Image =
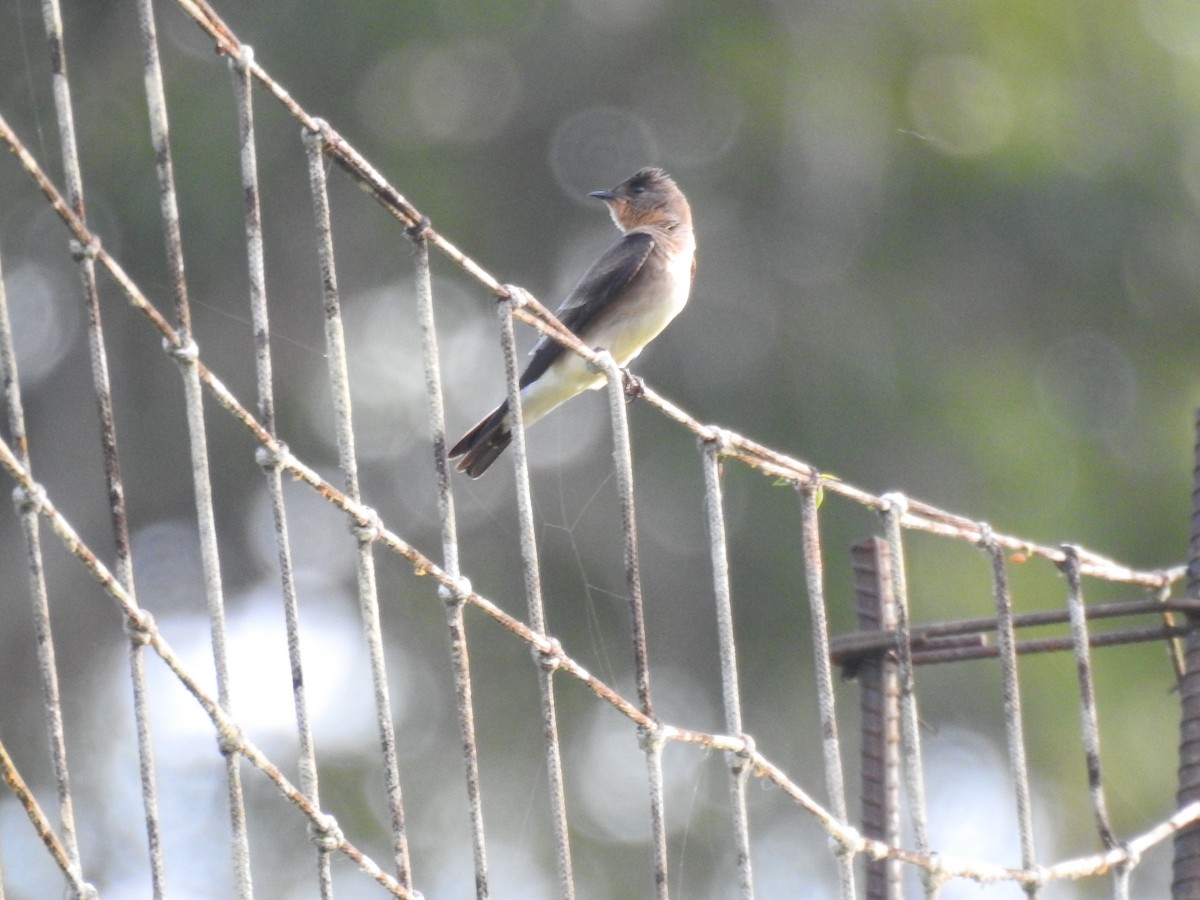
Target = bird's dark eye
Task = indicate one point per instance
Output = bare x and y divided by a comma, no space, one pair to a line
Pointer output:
639,189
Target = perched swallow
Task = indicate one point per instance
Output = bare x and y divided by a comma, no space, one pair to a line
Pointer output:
623,302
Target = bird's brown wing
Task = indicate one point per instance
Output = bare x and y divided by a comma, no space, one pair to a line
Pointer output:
592,297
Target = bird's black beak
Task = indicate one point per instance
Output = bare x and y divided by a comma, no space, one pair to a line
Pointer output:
603,195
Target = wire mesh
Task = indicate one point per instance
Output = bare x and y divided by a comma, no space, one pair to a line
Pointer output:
901,649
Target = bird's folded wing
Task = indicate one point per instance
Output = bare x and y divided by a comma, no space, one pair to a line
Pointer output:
603,283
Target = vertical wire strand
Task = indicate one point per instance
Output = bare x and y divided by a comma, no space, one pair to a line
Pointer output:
835,782
453,600
46,658
186,355
156,104
623,461
739,763
368,596
271,463
1087,694
1013,721
1121,877
910,726
533,595
85,259
39,599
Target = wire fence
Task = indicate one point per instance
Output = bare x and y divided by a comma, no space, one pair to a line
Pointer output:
870,857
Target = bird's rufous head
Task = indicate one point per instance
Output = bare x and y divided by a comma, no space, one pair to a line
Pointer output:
648,197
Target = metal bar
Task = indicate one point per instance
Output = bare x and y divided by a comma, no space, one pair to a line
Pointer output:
1185,883
1051,645
846,646
880,710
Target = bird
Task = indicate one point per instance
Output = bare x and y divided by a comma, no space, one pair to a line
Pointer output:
624,301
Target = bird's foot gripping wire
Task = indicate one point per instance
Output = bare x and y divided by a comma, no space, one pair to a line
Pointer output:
634,386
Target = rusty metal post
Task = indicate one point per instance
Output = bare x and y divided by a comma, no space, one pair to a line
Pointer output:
879,700
1186,883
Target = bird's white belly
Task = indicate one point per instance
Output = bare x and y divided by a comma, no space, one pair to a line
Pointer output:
646,311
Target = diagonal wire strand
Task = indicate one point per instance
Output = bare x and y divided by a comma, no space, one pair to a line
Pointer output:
53,843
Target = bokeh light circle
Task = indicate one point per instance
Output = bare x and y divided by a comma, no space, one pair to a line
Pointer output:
599,146
44,317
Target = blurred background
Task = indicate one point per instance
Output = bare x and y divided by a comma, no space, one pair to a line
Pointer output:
947,247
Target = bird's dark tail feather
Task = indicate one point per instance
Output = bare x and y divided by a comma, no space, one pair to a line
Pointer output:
480,446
